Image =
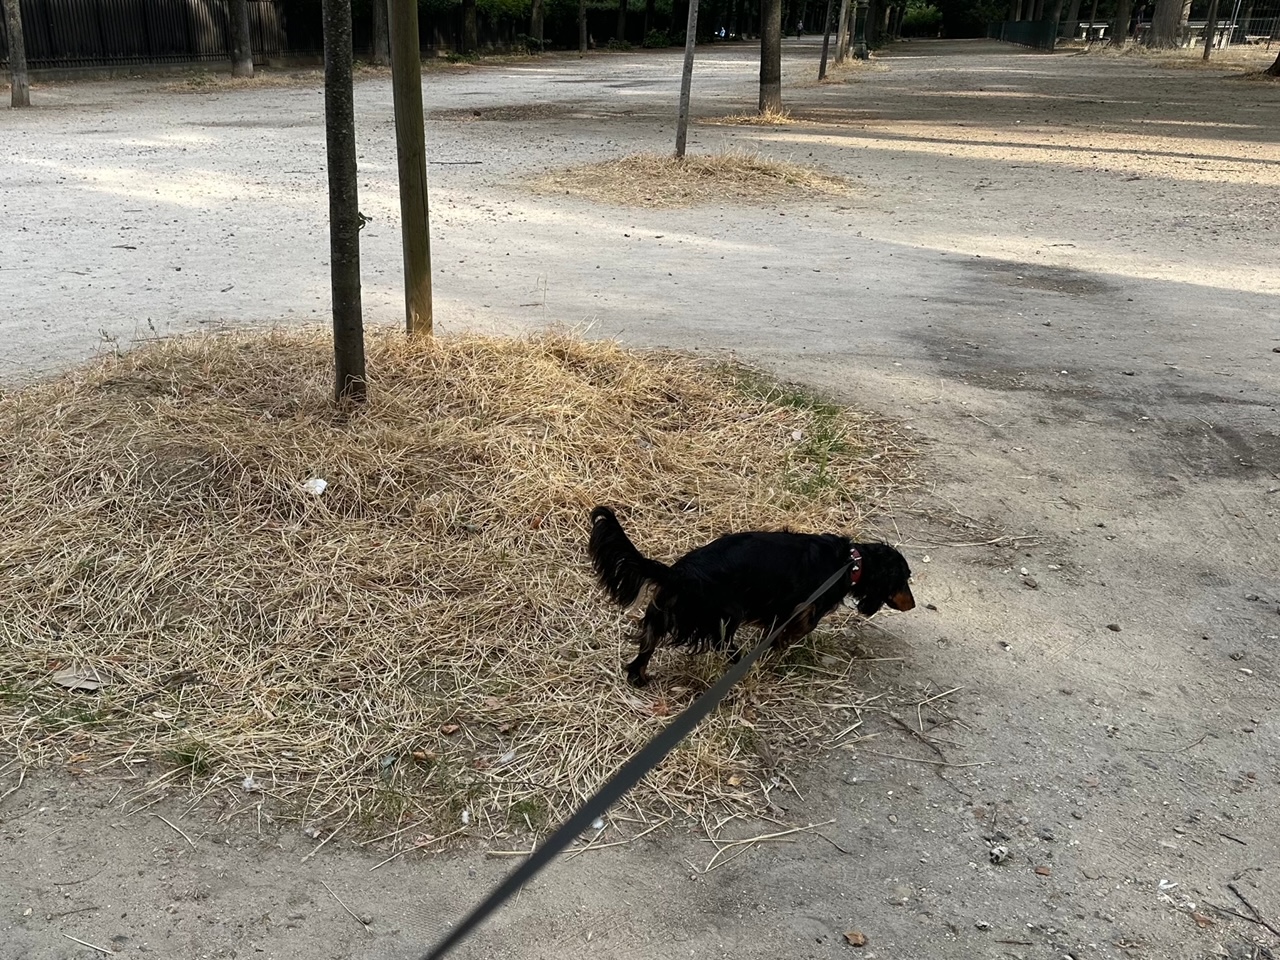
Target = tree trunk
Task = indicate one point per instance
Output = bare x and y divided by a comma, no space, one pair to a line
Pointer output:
1056,16
826,42
620,34
770,56
582,27
1120,25
1164,24
19,83
686,79
411,156
381,38
470,33
1274,69
1073,17
650,11
344,203
537,22
842,31
1210,28
241,45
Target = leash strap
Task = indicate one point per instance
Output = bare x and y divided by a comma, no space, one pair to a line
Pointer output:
628,775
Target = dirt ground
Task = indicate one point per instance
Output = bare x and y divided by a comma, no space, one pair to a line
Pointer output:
1058,273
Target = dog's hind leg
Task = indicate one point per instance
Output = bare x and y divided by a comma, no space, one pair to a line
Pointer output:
651,634
728,630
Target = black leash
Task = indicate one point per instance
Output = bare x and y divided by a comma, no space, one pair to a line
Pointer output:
627,777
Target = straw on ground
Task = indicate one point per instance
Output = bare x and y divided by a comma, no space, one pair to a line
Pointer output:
656,180
422,642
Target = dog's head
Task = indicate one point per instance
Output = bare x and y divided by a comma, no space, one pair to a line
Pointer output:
885,580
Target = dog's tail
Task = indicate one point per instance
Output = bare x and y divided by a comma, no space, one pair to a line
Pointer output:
622,570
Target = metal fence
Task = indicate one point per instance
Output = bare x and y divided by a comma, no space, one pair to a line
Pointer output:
1040,34
82,33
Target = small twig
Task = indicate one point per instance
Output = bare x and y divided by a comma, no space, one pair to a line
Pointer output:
174,827
833,843
91,946
69,913
326,839
1016,943
22,775
456,163
935,763
1257,915
918,735
1227,836
417,846
746,843
346,908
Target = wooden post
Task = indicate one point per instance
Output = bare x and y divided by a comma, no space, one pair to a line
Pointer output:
19,83
826,43
241,44
411,152
686,79
344,203
1210,28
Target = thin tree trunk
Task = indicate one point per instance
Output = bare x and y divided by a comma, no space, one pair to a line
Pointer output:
537,23
411,156
470,33
842,31
344,203
582,27
381,39
1073,16
826,42
1093,13
1057,18
1120,26
1274,69
770,56
650,11
241,45
620,34
686,79
19,83
1211,27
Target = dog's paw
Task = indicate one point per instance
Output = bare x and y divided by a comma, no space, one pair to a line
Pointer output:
637,678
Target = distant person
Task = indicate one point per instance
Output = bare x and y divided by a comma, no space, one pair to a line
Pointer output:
799,29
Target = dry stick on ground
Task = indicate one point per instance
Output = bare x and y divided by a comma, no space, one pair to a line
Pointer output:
742,846
176,830
1257,915
346,908
91,946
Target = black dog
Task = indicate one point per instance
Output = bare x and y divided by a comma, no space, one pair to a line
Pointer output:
742,578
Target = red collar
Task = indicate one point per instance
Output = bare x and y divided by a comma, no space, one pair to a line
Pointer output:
855,574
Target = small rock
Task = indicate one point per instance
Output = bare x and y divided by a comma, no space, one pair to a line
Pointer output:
1127,373
982,925
1030,583
1113,627
1044,872
1238,655
856,938
893,818
1023,571
930,606
998,855
1077,815
1252,597
366,918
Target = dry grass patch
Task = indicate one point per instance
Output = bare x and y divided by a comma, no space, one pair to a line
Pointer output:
421,643
657,180
762,118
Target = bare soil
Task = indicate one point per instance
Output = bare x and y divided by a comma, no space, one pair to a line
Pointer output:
1058,274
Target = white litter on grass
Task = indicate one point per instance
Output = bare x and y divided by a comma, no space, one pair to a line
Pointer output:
315,486
250,785
466,817
597,823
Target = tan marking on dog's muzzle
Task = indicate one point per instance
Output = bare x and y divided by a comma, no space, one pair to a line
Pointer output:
902,600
